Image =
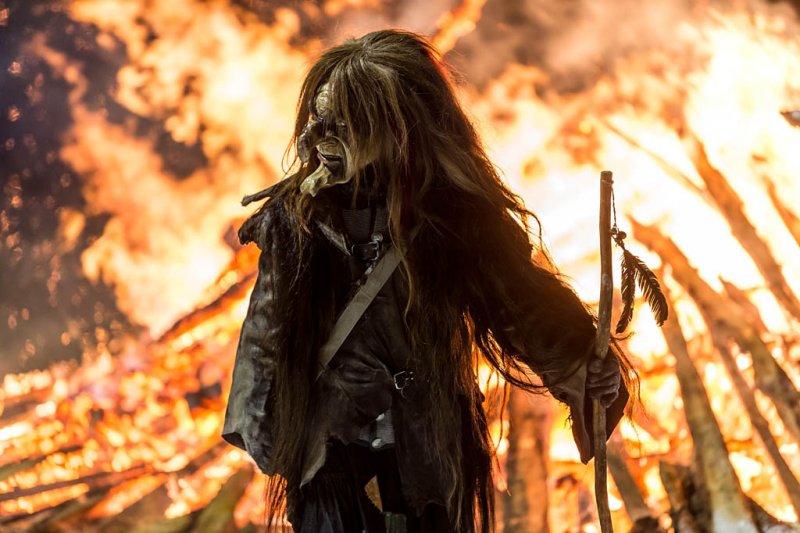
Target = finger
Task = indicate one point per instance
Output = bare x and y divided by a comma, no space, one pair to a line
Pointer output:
610,373
595,379
600,366
598,392
608,399
605,399
610,364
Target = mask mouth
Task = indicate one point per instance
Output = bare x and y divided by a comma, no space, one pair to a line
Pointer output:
330,160
332,169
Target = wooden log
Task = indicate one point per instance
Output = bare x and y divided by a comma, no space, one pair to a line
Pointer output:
723,313
54,518
97,480
791,220
150,509
688,500
525,502
69,516
233,294
642,517
178,524
760,423
768,523
729,508
23,521
731,207
665,165
20,450
217,516
7,471
10,469
748,307
13,407
676,481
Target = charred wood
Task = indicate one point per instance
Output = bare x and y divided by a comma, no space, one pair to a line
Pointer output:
178,524
57,518
677,484
17,406
768,523
7,471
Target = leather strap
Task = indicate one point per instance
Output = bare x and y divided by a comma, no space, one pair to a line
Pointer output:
376,279
335,238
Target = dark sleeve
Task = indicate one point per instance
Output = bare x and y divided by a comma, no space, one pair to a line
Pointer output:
542,323
248,415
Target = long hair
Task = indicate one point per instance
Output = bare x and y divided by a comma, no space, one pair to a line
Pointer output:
394,96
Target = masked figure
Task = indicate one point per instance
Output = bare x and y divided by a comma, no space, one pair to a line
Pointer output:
390,433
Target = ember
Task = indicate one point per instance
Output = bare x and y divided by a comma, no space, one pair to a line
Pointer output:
137,127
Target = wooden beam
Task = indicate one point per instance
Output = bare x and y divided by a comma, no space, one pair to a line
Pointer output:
732,208
641,515
790,219
217,516
728,317
525,502
729,509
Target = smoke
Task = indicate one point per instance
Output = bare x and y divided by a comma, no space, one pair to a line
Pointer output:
573,41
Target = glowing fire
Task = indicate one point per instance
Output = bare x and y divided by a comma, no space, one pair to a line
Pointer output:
218,76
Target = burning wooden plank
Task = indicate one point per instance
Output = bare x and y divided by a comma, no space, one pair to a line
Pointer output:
760,423
65,517
150,509
217,516
717,309
790,219
525,505
676,481
689,501
738,295
732,208
729,508
643,518
100,479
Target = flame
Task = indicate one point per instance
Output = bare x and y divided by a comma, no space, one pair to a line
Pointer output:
223,82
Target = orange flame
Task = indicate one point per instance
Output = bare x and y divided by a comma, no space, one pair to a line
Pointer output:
217,76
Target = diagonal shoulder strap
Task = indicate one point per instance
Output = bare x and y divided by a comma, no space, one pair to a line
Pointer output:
357,305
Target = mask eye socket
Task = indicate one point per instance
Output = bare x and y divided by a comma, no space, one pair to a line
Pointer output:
342,131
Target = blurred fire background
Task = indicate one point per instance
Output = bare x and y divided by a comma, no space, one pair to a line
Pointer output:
130,130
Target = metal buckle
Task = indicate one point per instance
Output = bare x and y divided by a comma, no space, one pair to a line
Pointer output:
368,251
401,381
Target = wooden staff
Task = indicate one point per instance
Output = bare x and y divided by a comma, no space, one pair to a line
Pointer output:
601,350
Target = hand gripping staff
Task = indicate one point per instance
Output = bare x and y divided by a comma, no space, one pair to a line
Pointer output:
634,272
